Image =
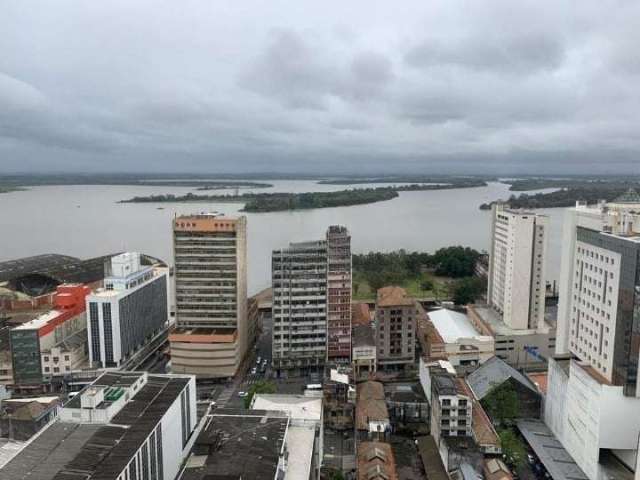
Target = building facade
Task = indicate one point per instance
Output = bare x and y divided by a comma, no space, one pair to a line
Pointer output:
395,328
364,351
41,348
130,310
211,334
299,281
451,407
338,294
516,279
593,399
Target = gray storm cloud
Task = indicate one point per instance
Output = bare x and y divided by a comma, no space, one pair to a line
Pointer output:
320,87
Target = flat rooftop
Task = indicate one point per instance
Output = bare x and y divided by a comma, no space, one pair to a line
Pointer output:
299,407
40,321
494,321
550,451
67,450
238,444
452,325
300,440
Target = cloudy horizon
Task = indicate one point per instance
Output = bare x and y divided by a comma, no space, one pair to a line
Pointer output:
320,87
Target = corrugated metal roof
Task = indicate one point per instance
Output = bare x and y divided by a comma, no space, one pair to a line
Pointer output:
492,373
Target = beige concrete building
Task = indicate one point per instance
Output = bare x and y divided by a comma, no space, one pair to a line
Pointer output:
211,334
395,328
516,279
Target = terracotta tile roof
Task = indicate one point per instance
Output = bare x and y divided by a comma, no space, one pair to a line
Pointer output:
483,430
376,461
540,380
431,460
370,404
394,297
360,314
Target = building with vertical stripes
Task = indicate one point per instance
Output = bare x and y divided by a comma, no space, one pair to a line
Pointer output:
129,311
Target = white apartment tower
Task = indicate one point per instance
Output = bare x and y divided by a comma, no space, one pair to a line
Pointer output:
516,280
210,339
128,312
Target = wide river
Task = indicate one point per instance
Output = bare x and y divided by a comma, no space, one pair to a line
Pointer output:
85,221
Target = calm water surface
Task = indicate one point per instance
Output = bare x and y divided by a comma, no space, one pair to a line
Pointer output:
85,221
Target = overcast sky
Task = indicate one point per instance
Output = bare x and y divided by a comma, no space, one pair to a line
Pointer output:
320,86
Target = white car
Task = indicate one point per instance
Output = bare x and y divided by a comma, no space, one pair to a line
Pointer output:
253,371
242,394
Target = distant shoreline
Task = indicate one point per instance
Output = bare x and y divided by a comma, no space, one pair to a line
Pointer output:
276,202
568,193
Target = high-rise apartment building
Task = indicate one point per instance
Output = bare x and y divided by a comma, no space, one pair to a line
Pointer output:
128,311
210,338
338,294
593,400
312,301
299,281
516,281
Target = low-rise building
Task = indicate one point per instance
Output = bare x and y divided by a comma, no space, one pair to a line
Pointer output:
450,335
339,400
305,434
240,444
52,344
406,403
451,407
123,426
128,312
495,469
396,314
364,350
376,461
496,374
427,369
21,418
372,416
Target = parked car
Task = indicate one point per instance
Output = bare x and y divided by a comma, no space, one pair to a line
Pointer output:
253,371
242,394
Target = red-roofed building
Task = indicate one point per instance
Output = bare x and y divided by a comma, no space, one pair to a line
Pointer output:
52,344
